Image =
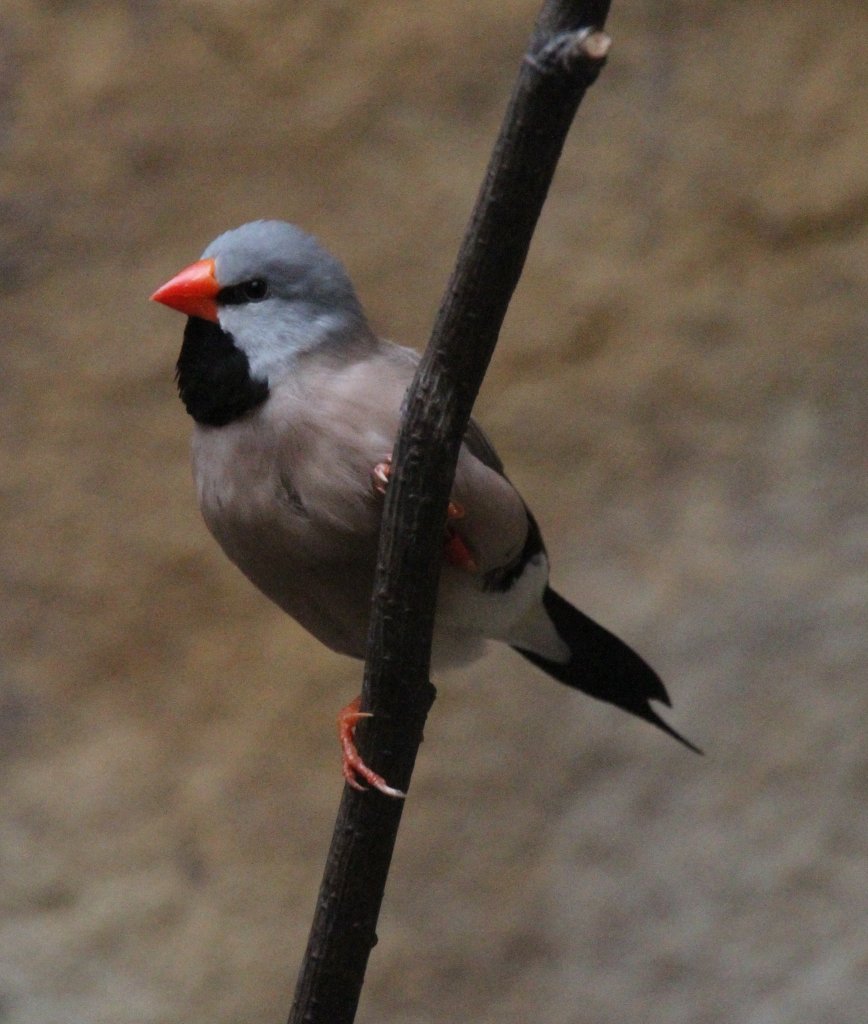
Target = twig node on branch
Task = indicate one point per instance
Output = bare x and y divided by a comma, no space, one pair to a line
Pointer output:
586,49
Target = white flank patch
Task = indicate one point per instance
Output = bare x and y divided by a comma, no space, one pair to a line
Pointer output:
515,616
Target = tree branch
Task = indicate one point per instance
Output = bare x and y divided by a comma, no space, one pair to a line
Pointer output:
565,55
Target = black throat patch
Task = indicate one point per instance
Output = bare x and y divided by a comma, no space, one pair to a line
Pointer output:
213,376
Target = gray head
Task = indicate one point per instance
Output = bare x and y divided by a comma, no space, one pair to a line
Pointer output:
259,297
280,294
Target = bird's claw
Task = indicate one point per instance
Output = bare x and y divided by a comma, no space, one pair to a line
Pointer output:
380,476
352,765
454,511
455,551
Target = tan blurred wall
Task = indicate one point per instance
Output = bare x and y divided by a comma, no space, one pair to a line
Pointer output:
680,390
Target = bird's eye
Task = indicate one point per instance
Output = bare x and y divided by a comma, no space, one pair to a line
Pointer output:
255,290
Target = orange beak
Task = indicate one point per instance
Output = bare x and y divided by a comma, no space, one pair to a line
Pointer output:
193,291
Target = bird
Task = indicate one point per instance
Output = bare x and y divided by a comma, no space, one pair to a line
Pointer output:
296,404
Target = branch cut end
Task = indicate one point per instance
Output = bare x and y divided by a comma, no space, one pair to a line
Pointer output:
594,44
569,52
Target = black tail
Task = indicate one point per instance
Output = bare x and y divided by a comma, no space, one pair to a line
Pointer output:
603,666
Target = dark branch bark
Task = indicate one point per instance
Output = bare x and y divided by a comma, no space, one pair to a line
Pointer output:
565,55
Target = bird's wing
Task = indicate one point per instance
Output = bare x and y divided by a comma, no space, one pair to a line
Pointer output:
479,444
496,524
357,411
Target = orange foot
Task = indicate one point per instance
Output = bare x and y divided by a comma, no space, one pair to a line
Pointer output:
352,765
455,551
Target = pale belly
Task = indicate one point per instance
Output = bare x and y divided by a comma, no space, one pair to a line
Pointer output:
313,551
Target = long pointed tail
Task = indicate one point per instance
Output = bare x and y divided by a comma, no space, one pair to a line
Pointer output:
603,666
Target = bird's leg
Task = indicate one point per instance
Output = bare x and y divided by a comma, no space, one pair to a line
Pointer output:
455,551
352,765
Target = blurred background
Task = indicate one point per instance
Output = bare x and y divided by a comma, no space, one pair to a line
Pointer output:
679,391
